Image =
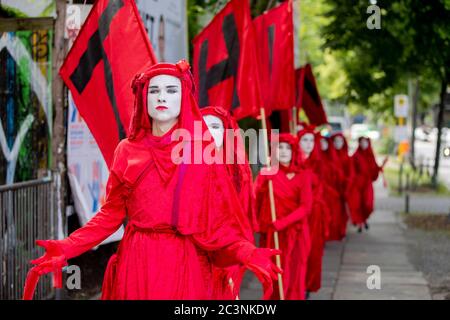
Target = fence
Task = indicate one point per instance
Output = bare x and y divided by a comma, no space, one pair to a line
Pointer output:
27,213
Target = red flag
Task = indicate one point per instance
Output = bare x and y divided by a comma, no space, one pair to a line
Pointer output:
308,97
111,48
275,38
225,67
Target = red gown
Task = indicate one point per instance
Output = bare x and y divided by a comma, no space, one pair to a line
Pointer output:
333,177
182,218
366,172
293,201
346,168
319,219
228,281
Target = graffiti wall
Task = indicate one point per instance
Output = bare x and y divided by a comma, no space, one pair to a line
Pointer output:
30,8
25,104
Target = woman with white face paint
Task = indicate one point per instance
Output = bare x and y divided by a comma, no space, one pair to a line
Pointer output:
228,145
346,168
319,219
333,179
366,172
183,218
293,201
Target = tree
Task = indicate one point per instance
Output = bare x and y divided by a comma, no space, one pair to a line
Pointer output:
414,40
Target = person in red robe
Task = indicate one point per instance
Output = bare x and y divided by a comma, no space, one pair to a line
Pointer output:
293,201
229,146
319,220
366,171
345,165
182,216
332,176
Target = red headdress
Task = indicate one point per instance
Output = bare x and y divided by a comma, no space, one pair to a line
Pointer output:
237,162
329,154
296,153
140,121
344,149
194,185
314,157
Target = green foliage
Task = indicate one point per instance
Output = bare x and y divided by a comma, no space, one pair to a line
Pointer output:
414,41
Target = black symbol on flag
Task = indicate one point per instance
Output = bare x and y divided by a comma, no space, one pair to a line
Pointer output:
224,69
271,35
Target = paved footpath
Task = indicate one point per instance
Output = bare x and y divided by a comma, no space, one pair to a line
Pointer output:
345,263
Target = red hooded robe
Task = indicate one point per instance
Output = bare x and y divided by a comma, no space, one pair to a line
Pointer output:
366,172
333,179
319,220
183,217
346,168
293,202
234,156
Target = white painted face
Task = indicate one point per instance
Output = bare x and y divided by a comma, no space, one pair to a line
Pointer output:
338,142
324,144
164,98
364,144
215,127
284,153
307,144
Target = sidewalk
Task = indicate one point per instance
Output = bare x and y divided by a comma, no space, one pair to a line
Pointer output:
345,264
384,245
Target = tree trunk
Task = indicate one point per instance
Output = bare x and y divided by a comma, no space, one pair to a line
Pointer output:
440,120
59,130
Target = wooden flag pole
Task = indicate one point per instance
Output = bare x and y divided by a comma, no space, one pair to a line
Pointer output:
272,202
294,120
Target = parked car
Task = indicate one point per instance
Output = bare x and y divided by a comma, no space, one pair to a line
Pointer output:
364,130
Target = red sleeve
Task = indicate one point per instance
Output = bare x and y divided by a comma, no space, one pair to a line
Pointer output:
107,221
305,205
226,237
101,226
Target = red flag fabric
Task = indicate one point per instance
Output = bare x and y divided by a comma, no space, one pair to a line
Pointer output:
111,48
308,97
225,62
275,38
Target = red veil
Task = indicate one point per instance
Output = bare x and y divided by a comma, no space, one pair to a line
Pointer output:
236,162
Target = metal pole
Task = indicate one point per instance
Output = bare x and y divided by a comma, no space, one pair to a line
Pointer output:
400,176
407,193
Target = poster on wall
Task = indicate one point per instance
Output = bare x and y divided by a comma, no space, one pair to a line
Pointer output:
87,170
166,25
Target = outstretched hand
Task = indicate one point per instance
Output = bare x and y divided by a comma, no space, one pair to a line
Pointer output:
261,264
52,261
